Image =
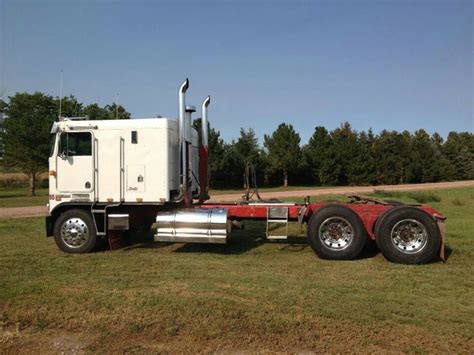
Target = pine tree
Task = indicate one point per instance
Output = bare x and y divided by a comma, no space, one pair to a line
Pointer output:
283,150
316,155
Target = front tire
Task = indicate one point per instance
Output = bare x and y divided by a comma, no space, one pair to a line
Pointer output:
336,232
408,235
74,232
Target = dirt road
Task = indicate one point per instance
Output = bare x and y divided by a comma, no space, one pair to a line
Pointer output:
37,211
343,190
20,212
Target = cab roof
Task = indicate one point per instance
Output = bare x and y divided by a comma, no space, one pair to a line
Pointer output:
134,123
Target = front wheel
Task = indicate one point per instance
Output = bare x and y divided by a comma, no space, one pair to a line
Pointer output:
336,232
408,235
74,232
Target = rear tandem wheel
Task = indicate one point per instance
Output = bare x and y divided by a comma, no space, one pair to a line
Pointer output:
407,235
336,232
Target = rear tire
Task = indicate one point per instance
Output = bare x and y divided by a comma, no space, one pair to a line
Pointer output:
74,232
407,235
336,232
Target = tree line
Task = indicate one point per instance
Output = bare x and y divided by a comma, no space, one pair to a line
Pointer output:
342,156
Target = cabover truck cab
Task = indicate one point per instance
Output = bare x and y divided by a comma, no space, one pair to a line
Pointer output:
108,177
115,161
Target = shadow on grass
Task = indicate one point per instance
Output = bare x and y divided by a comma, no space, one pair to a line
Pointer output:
447,252
242,241
239,242
234,246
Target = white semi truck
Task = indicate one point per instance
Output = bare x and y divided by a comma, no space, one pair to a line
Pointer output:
110,176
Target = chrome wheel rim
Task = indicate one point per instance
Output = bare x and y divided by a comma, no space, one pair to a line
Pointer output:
409,236
74,232
336,233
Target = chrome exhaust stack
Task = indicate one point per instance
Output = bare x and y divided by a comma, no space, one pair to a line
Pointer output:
204,154
205,133
181,140
182,107
193,225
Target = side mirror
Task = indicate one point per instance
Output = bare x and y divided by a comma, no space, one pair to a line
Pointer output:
63,155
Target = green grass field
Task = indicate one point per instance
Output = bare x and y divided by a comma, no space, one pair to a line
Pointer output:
244,296
19,197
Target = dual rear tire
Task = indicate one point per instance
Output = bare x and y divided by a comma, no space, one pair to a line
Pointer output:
407,235
336,232
404,234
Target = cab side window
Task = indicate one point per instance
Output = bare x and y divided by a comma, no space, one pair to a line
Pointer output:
74,144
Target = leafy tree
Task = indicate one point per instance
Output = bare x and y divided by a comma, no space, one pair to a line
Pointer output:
70,107
422,162
459,151
316,156
95,112
361,165
218,159
26,133
227,161
116,112
283,150
441,168
390,151
3,106
246,150
341,154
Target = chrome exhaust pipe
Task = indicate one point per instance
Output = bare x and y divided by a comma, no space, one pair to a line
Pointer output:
187,169
182,108
181,141
204,154
205,133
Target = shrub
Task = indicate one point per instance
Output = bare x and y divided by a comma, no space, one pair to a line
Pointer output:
388,193
423,197
457,202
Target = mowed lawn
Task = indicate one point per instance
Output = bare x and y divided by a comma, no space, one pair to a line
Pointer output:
247,295
20,197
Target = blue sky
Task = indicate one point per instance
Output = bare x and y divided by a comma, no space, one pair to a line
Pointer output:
377,64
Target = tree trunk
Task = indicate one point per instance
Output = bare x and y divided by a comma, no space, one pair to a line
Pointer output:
32,184
285,178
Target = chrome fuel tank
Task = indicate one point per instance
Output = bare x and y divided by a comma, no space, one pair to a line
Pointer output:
193,225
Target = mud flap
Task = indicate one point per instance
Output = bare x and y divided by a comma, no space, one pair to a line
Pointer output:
442,231
49,223
116,239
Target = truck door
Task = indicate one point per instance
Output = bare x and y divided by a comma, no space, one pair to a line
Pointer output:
75,163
